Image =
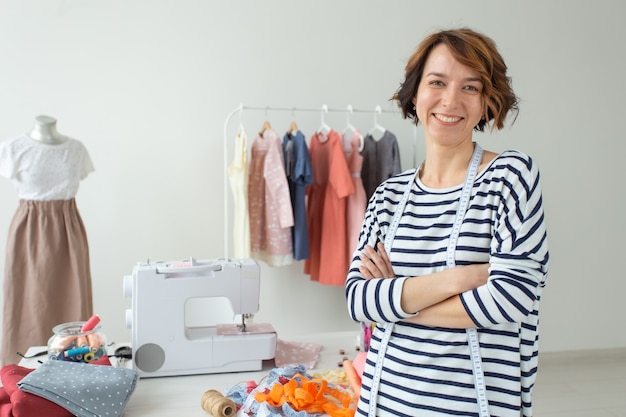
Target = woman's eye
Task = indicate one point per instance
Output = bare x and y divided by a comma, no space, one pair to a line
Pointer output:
436,82
472,88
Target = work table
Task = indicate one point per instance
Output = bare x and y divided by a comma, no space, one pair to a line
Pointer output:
175,396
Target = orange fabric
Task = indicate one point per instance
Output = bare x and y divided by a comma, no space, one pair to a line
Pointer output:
327,197
312,396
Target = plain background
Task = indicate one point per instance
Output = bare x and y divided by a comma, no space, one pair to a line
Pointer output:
147,86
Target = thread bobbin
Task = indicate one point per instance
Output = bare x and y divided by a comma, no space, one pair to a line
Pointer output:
213,402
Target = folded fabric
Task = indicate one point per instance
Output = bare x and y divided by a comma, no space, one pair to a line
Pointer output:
5,403
295,353
23,404
83,389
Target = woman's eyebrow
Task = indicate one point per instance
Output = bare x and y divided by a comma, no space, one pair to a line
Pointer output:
436,74
442,75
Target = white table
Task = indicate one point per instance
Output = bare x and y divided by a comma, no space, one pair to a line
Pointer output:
177,396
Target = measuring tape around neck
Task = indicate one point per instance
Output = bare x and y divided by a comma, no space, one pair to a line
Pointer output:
472,334
474,346
378,368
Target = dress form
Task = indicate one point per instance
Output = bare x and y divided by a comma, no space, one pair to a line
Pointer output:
45,130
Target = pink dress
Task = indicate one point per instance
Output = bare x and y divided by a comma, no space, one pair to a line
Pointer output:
269,202
357,202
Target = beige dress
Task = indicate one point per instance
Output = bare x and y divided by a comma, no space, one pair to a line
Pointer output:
47,278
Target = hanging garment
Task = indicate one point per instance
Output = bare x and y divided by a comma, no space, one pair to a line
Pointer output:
238,176
357,201
381,160
299,175
269,202
47,276
326,210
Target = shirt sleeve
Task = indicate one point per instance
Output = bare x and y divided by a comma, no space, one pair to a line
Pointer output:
86,166
518,253
303,174
379,299
7,164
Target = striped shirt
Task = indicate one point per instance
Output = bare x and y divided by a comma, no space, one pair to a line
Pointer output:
427,370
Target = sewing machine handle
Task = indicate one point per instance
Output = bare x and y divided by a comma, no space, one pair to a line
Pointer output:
186,269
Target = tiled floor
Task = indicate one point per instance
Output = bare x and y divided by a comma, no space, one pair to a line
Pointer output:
581,384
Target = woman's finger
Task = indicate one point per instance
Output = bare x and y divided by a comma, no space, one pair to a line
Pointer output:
387,269
370,266
365,272
380,259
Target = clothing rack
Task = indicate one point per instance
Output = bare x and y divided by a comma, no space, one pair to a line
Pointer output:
240,109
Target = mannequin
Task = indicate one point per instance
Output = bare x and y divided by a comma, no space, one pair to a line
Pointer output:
47,276
45,130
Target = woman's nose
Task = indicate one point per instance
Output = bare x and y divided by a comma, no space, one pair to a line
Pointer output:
450,97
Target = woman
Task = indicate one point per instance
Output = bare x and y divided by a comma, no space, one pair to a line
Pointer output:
438,276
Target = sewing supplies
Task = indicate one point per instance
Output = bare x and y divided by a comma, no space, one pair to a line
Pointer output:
310,395
164,343
71,342
91,323
218,405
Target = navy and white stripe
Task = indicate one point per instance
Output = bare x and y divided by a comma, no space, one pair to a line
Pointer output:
427,371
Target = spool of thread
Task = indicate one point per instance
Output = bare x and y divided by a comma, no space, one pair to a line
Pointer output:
95,341
90,324
81,341
62,343
77,351
218,405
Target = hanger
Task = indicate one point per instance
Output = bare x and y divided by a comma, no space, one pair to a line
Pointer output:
351,129
266,126
377,127
324,129
293,126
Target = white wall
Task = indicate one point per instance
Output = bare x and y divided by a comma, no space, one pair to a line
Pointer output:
146,85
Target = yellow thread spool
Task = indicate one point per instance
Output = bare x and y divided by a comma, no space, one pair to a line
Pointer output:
215,403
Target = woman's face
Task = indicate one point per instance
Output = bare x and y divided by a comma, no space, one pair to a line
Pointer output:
449,100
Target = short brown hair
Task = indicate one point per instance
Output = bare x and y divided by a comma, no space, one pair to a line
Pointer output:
476,51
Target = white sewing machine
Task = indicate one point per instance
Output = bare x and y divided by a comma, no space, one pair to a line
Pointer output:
165,342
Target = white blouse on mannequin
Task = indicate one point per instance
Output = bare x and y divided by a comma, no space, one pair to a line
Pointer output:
43,164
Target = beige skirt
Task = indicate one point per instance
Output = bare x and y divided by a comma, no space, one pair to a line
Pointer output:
47,278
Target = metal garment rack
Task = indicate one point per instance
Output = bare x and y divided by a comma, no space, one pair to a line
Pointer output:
240,109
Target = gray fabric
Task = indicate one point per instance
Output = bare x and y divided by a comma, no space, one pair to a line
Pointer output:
381,160
83,389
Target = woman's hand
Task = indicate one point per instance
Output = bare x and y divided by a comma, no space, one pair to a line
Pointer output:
375,263
471,276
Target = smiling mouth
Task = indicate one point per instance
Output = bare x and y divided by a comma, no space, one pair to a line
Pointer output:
447,119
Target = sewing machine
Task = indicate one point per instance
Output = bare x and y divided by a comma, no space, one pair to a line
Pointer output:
165,342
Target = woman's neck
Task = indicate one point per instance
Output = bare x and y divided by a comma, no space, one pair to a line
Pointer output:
446,167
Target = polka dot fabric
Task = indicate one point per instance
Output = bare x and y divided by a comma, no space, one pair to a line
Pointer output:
83,389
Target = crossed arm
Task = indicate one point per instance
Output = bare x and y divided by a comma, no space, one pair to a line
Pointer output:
434,296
